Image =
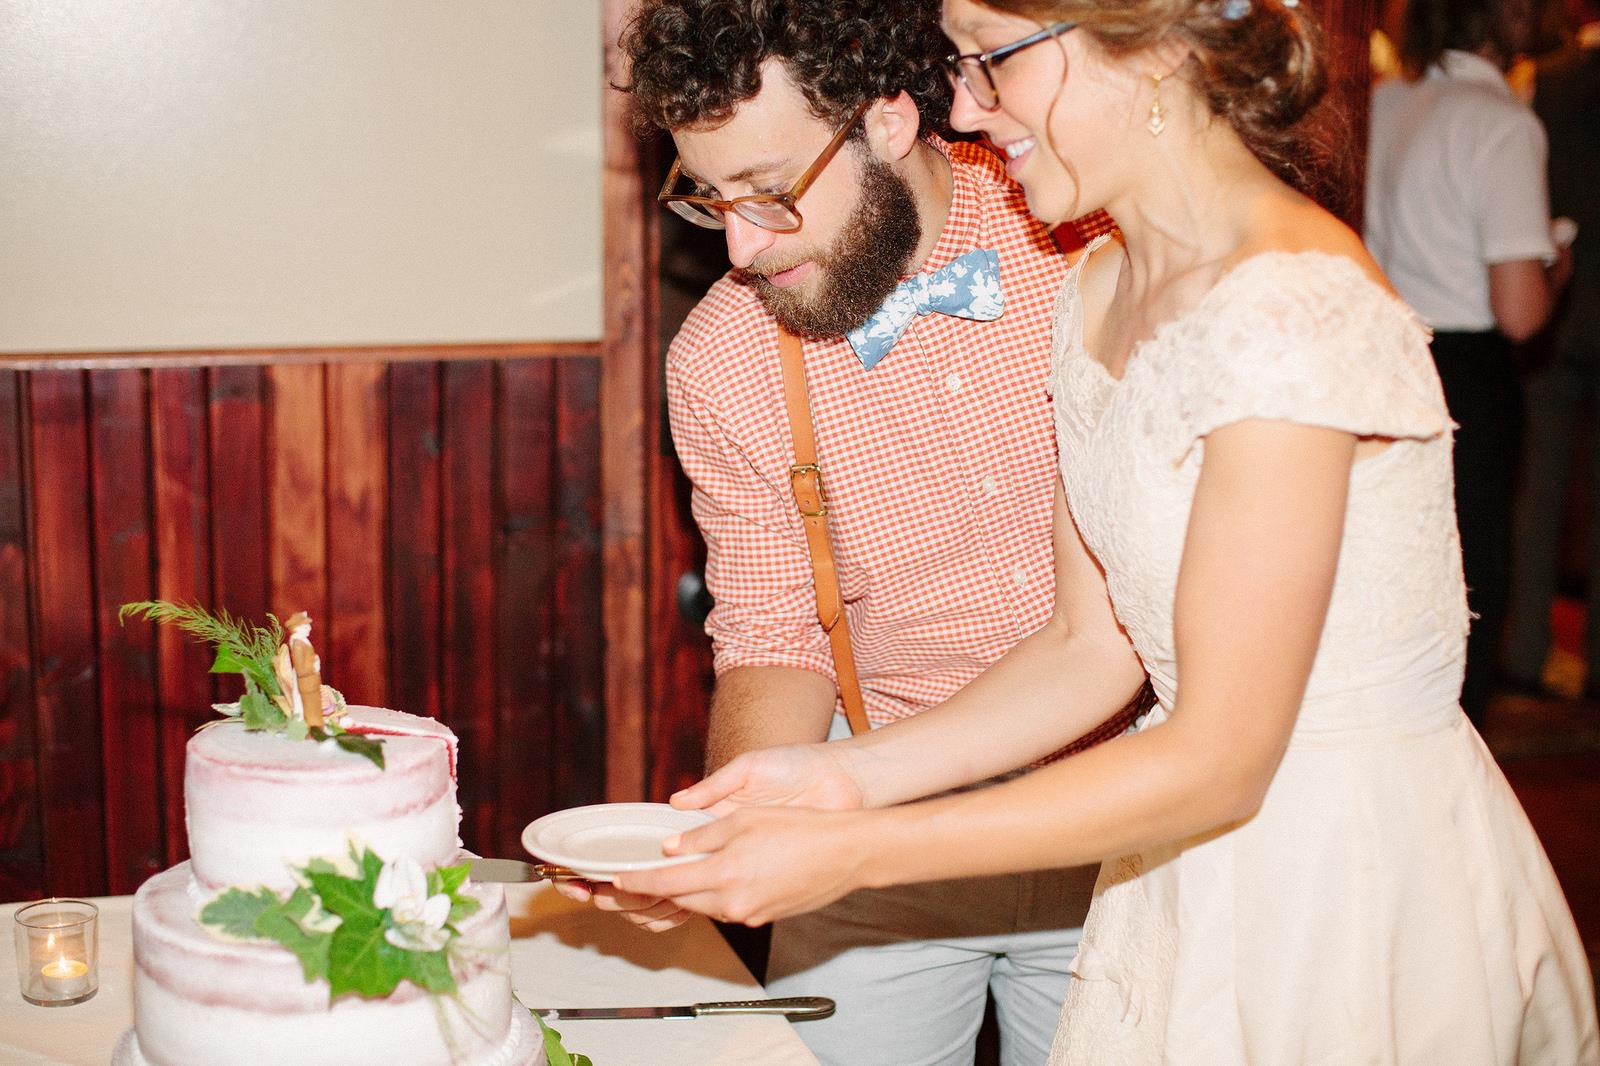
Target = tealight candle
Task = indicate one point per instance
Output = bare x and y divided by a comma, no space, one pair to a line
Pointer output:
56,951
65,978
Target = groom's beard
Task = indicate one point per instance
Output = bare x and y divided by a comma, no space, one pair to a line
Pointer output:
858,271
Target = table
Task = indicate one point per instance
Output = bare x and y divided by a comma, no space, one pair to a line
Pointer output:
563,954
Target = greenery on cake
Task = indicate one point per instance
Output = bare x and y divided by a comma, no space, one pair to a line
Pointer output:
362,929
272,700
554,1053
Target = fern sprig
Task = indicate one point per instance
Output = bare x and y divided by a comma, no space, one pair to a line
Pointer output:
241,647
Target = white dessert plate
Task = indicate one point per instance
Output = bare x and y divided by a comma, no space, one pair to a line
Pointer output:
607,838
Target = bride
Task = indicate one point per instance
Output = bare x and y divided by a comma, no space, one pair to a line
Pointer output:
1309,853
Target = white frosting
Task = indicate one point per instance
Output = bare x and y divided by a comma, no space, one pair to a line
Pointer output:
258,803
523,1046
201,1000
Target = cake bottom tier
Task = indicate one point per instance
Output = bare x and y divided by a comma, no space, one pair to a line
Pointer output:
200,1000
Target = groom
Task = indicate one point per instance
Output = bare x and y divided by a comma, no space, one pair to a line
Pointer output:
933,430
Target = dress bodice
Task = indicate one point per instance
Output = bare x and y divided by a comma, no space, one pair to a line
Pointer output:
1305,337
1387,901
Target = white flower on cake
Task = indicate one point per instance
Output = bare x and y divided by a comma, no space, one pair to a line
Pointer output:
418,918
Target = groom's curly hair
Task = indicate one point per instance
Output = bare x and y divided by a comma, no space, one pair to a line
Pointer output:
694,61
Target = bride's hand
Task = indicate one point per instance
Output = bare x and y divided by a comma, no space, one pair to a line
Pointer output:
798,775
803,775
761,864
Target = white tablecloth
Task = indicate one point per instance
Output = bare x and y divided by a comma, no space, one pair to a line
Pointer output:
562,955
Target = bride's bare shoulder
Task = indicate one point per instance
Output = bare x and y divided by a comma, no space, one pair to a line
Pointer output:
1303,226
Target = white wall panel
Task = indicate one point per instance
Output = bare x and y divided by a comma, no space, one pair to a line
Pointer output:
262,173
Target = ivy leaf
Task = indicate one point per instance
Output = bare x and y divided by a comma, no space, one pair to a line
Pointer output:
355,956
347,897
236,911
371,867
357,962
261,915
282,923
261,713
296,729
368,747
429,970
554,1052
299,903
448,879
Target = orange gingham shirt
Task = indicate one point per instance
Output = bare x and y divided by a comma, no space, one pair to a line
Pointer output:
938,464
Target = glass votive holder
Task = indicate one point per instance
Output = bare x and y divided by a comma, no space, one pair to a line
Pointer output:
57,951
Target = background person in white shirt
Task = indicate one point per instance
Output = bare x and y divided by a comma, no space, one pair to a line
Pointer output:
1457,214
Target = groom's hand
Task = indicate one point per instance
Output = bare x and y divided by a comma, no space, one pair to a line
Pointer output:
650,912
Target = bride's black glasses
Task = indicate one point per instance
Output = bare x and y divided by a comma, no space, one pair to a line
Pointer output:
975,70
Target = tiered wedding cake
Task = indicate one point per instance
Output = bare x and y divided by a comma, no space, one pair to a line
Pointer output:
324,915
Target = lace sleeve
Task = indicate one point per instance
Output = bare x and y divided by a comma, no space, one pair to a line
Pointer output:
1306,338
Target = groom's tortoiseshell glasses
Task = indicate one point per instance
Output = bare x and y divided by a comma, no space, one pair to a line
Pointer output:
771,211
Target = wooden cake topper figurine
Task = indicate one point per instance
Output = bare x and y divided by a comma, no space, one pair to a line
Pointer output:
307,669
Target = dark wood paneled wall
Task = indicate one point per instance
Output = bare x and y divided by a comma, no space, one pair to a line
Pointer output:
629,394
440,521
1348,25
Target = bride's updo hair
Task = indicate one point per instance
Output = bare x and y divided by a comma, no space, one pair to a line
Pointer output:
1259,64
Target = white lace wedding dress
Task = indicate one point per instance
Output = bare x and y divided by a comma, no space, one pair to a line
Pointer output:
1390,902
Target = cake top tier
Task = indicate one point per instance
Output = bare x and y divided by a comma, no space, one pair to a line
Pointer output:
410,742
258,803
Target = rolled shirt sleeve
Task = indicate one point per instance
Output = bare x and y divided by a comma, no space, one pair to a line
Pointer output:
758,570
1513,202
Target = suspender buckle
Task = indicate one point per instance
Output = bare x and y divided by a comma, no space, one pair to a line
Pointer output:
806,480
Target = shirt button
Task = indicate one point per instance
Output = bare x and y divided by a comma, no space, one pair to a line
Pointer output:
953,383
1019,577
987,485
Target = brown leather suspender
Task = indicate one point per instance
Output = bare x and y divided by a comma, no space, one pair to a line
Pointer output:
805,478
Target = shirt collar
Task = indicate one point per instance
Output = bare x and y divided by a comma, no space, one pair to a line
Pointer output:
1469,67
960,232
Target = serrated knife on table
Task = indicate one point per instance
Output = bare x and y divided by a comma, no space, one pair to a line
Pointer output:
796,1009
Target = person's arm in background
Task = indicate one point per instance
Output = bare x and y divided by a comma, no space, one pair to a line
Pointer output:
1526,271
1523,293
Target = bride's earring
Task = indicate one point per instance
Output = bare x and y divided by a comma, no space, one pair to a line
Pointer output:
1158,117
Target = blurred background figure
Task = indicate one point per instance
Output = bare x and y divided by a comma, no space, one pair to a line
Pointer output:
1384,50
1564,391
1457,214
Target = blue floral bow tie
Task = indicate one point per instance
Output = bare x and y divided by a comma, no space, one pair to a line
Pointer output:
967,287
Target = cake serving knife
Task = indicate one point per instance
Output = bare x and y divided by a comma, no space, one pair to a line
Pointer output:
511,871
795,1008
